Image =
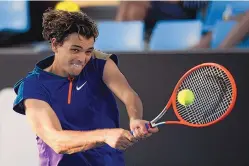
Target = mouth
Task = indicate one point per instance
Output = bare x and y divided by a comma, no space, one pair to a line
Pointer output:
77,65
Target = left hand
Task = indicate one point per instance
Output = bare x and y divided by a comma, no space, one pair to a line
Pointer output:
139,129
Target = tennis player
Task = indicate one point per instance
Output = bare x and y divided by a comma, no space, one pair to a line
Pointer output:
68,98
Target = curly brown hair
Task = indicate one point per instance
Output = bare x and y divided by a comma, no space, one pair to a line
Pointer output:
59,24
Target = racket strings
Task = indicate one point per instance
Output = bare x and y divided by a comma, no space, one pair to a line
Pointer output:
212,100
213,95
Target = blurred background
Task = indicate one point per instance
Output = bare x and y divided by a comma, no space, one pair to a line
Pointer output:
137,25
156,42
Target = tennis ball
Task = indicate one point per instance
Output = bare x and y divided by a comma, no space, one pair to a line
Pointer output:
185,97
67,6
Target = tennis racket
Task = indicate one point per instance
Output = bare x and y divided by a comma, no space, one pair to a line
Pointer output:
215,94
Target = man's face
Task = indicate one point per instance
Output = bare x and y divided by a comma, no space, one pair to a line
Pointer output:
74,54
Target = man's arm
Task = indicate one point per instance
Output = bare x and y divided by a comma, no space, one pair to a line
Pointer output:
46,125
117,82
238,32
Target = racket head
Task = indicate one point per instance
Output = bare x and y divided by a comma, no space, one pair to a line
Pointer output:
211,82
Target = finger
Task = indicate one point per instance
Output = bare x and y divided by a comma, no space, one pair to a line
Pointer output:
143,128
121,147
147,135
135,133
139,133
130,137
125,143
153,130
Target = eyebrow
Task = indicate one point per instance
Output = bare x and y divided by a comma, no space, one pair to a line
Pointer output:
82,47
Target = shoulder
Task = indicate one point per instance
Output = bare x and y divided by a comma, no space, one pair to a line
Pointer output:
27,88
98,62
98,55
32,78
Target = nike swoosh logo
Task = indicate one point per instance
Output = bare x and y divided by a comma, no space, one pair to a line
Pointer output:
78,88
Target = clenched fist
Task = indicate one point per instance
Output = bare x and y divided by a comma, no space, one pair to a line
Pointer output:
119,138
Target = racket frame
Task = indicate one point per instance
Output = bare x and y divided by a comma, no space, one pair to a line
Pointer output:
172,100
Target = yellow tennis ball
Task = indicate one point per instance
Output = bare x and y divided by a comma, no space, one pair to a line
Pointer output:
67,6
185,97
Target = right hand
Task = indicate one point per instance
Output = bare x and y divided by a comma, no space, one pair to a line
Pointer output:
119,138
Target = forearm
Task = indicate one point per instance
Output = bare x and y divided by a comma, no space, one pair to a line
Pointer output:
46,125
204,42
118,84
237,33
68,142
134,106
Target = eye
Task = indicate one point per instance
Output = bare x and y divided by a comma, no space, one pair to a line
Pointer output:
74,50
89,52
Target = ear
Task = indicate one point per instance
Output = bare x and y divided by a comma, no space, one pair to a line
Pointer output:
54,45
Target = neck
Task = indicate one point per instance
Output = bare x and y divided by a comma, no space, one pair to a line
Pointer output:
56,69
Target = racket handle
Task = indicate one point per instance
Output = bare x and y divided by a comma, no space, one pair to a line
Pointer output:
147,125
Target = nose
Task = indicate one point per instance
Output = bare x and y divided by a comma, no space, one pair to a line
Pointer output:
83,58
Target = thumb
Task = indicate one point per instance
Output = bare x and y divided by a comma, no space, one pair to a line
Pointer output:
153,130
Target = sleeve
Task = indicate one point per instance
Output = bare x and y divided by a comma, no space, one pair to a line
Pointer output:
29,89
100,59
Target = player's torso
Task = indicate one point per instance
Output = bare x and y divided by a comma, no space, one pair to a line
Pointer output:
91,106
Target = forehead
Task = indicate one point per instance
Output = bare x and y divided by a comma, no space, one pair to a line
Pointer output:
76,39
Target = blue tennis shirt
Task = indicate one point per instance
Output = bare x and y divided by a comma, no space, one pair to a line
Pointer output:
87,105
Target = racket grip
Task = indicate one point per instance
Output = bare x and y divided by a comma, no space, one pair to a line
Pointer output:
147,125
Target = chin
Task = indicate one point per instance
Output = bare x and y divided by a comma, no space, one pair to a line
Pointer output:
75,73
